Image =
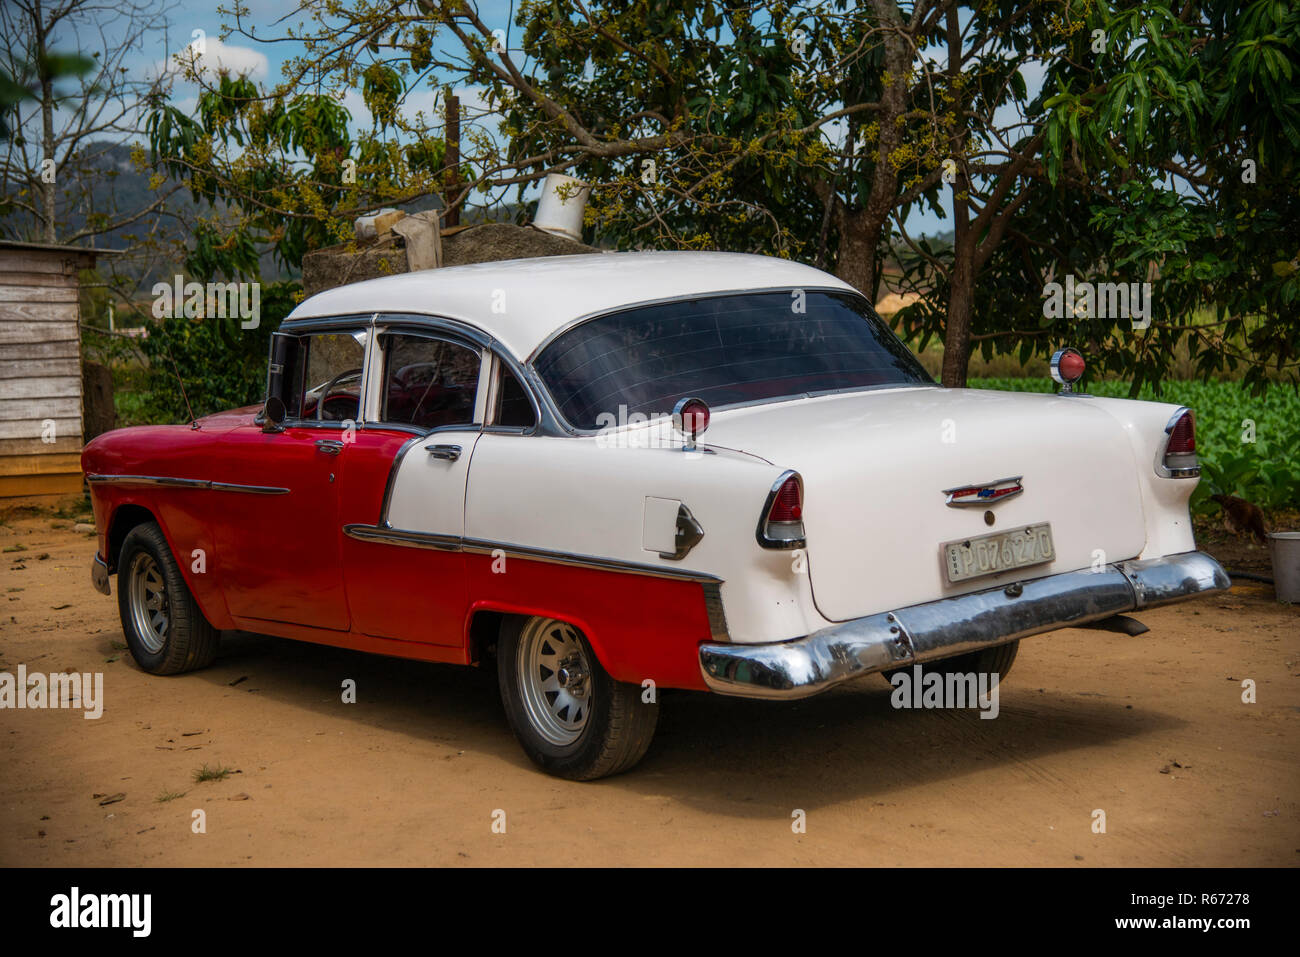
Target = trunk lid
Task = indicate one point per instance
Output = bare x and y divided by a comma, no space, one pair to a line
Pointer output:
875,467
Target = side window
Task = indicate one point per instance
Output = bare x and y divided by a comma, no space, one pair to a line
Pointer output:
325,381
513,408
428,382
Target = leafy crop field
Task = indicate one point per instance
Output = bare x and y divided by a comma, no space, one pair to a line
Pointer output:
1265,471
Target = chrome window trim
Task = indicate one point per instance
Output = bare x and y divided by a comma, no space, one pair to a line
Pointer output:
499,367
321,327
384,328
387,535
572,430
171,482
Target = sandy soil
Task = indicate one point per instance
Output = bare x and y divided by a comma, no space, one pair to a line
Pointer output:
1151,730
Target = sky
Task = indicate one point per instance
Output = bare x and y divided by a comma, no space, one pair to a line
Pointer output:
191,23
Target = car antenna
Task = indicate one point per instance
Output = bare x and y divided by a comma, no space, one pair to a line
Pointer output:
194,423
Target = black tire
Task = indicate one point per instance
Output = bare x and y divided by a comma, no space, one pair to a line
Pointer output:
996,660
618,725
186,641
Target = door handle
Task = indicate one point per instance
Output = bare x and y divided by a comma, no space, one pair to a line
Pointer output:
449,452
329,446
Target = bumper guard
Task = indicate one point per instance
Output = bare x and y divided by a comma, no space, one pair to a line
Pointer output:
954,626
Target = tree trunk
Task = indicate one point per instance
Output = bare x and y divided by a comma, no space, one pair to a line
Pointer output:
47,126
856,264
956,333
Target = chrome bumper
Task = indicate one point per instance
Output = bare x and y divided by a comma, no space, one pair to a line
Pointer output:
99,575
953,626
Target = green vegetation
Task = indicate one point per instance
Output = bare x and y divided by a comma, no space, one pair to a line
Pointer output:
206,773
1265,471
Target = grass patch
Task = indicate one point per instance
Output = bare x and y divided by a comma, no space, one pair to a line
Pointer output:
206,773
169,796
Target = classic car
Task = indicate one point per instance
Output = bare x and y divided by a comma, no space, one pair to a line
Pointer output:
615,474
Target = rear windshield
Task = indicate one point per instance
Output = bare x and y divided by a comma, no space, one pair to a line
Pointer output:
724,349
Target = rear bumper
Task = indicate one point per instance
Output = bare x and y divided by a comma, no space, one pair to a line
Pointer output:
953,626
99,575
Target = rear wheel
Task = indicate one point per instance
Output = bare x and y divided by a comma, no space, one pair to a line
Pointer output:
165,630
572,719
996,660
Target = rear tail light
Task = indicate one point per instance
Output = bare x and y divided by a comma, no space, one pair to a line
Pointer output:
781,524
1178,458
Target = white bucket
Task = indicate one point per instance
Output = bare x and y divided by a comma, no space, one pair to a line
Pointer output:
562,215
1285,550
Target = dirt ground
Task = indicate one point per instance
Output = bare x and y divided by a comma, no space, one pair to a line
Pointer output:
1151,730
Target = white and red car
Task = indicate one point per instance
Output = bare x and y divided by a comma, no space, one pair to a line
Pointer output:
512,458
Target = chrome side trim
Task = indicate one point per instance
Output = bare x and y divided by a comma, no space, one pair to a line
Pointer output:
99,575
396,536
169,482
248,489
141,480
717,613
405,538
481,546
953,626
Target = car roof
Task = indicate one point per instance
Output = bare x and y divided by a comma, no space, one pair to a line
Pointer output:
522,302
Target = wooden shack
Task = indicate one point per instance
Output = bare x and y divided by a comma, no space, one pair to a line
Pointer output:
40,370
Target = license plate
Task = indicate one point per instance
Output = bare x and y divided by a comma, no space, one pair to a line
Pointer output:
999,552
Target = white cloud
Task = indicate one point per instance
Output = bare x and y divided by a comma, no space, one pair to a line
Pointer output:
212,56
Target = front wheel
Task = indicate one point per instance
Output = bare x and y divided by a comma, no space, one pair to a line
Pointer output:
572,719
164,626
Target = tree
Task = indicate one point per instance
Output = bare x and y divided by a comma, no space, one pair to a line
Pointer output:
814,131
68,111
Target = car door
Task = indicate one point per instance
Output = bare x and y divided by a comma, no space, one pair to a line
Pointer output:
403,491
279,552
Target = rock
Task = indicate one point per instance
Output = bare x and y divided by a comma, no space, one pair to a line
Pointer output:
83,527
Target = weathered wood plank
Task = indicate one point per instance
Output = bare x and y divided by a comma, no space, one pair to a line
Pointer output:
64,427
32,261
41,387
37,368
40,409
18,486
61,280
12,293
40,464
38,332
34,446
39,312
43,351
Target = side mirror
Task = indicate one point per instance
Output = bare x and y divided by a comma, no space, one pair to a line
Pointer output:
274,415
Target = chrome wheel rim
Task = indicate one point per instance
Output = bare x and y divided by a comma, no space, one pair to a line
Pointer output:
555,679
150,606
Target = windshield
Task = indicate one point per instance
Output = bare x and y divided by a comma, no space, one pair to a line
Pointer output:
724,349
